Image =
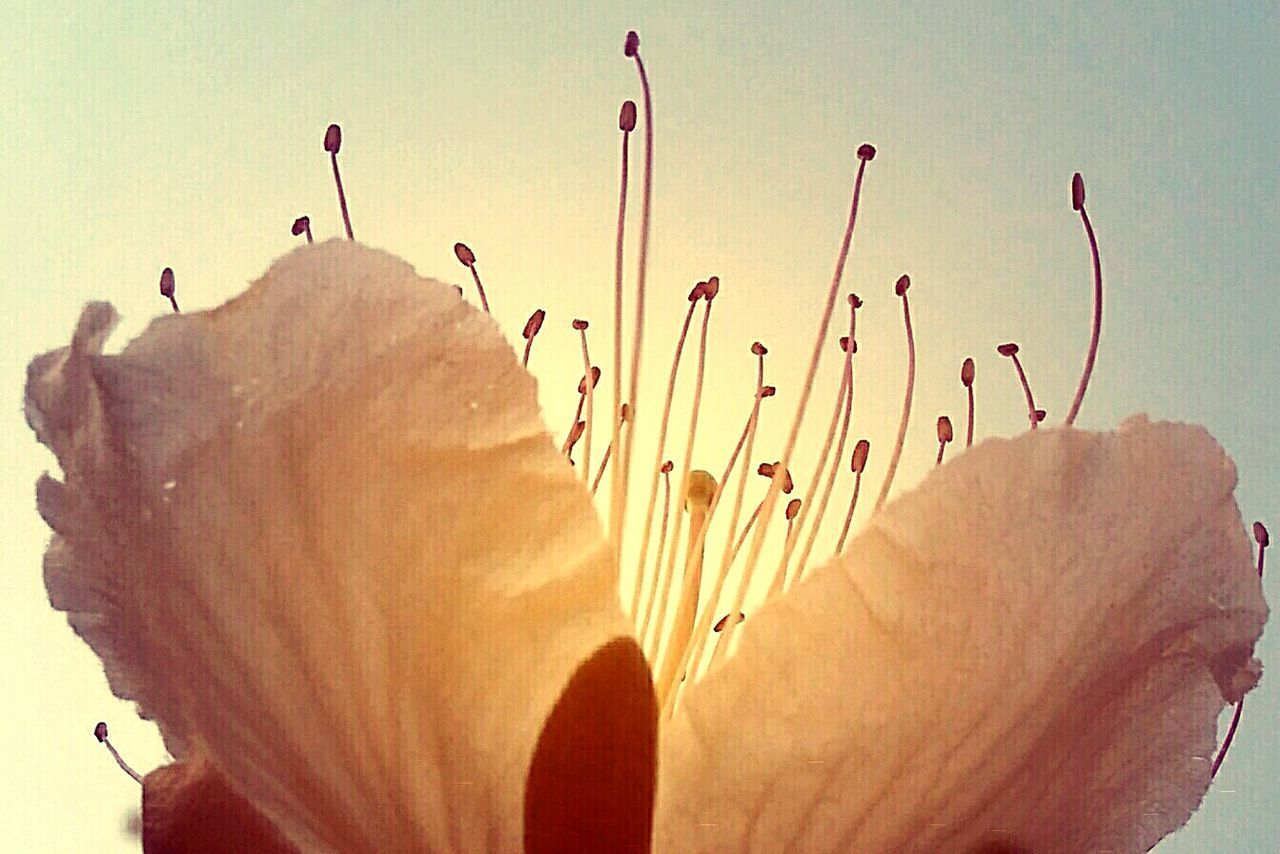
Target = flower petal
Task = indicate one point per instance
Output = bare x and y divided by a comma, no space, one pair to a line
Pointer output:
1029,652
321,536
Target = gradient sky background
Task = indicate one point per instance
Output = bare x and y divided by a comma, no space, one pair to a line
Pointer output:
135,140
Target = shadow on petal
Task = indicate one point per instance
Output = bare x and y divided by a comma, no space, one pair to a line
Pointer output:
188,808
592,777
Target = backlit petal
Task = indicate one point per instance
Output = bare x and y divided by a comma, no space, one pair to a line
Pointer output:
1029,652
321,536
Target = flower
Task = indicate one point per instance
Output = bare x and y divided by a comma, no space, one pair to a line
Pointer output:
321,536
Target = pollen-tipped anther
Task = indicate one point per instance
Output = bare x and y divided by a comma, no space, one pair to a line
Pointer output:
966,379
332,144
866,151
758,349
858,462
467,258
627,116
724,622
302,225
1095,332
1260,535
793,507
631,45
533,324
100,733
768,391
900,287
580,325
1034,415
167,287
944,436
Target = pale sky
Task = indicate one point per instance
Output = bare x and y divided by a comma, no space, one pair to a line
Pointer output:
192,138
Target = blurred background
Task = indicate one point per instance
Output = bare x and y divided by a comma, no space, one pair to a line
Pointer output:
137,139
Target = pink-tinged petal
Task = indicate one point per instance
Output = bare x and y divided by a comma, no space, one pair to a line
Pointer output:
188,808
1029,652
323,539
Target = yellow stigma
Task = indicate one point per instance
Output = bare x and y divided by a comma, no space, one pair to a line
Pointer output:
700,491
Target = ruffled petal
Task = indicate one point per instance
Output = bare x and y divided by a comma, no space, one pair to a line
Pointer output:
1027,653
322,538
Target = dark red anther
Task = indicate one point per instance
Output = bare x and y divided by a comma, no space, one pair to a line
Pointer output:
758,349
465,255
866,151
793,507
333,139
1040,415
1260,535
944,429
533,324
627,116
1009,349
697,292
711,288
768,391
667,467
301,225
904,282
1077,192
166,282
595,380
100,731
631,45
860,451
580,325
854,301
625,413
723,622
966,373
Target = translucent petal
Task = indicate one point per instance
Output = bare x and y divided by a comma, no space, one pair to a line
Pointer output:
321,536
1029,652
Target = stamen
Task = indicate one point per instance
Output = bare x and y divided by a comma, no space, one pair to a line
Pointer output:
662,441
626,124
332,144
468,260
652,647
166,287
624,415
944,436
581,326
693,652
865,153
724,621
302,225
1077,203
900,289
1035,416
769,470
577,414
849,344
575,433
709,289
1263,539
531,327
966,379
857,463
100,733
622,472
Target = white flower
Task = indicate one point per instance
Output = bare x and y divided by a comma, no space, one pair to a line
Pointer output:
322,537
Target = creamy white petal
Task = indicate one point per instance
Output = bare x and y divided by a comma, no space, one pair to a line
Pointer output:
321,536
1032,649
